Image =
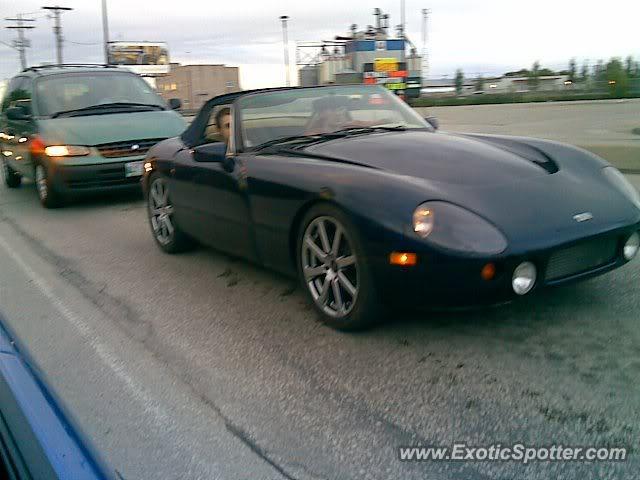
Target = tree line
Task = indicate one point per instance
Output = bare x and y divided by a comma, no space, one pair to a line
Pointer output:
616,75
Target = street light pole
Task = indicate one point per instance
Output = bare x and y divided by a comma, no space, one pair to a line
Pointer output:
425,39
285,41
105,31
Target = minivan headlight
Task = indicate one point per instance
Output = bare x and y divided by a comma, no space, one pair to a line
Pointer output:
455,228
622,184
66,151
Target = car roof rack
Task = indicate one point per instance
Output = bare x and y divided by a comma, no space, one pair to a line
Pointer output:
35,68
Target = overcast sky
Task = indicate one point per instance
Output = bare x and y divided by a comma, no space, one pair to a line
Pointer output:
488,37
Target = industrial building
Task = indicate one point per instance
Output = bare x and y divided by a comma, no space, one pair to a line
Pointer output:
370,56
195,84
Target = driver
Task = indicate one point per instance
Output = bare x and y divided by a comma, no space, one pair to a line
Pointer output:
330,114
223,123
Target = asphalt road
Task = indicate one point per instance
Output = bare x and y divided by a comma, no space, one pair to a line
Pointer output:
604,127
202,366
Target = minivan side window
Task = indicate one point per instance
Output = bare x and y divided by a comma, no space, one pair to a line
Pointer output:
18,93
11,88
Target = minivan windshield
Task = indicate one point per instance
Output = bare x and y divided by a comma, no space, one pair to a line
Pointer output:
286,114
80,91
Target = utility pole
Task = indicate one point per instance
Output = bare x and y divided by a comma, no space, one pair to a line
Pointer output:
285,41
105,31
425,39
21,44
57,28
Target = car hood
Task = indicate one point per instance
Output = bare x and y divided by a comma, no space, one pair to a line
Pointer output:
439,157
98,129
531,190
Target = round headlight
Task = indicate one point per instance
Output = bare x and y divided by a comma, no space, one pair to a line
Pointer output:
524,278
618,179
631,246
423,221
457,229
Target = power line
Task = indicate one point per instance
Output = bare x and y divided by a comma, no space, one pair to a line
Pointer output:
83,43
57,28
21,43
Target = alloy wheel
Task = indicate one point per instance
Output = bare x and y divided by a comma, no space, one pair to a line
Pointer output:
330,266
160,211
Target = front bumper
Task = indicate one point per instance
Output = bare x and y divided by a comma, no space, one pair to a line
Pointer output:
448,280
92,178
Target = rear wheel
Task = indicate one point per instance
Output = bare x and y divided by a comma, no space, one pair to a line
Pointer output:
12,179
166,232
48,195
333,270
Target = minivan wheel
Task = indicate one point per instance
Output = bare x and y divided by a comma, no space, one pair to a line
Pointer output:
333,270
12,179
49,197
167,234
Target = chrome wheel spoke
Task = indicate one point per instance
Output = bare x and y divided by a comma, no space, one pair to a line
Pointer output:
168,225
344,262
165,196
320,255
313,272
324,295
337,296
324,238
346,284
157,199
335,247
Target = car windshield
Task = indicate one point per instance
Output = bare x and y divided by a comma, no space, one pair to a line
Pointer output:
267,117
76,91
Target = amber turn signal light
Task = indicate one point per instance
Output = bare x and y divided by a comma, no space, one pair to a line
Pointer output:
404,259
488,271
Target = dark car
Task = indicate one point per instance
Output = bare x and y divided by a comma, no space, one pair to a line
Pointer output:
348,188
79,129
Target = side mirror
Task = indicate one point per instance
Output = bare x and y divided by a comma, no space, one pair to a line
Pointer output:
433,121
175,103
17,113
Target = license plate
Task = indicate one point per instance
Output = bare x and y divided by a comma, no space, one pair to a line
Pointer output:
133,169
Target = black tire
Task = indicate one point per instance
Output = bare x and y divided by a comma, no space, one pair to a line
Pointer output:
174,241
12,179
355,314
47,193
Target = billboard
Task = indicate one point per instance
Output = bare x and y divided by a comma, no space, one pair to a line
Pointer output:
388,72
143,58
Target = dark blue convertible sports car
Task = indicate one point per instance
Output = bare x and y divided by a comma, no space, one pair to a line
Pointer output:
350,189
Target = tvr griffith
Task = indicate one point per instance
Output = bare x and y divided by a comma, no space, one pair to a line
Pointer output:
349,189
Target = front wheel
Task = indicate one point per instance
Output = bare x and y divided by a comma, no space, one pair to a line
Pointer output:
49,197
333,269
167,234
12,179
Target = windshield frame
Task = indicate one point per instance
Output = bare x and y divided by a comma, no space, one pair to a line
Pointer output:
37,112
239,132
